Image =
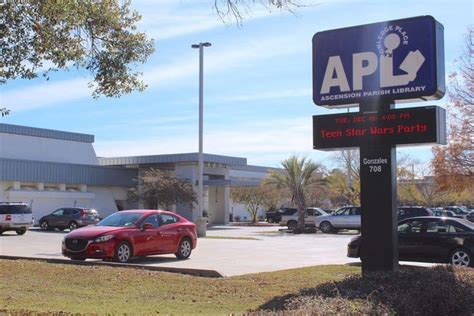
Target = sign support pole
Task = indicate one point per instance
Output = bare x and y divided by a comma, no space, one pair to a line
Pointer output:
378,196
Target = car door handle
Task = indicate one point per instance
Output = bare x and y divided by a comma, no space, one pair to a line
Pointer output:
179,229
159,234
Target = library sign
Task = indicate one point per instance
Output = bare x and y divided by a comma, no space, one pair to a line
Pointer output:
373,67
394,60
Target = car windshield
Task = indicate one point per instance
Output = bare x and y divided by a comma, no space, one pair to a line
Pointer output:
466,223
120,220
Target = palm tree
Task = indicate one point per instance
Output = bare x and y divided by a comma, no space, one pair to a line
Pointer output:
297,177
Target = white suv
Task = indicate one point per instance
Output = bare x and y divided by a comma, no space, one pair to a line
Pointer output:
347,217
15,216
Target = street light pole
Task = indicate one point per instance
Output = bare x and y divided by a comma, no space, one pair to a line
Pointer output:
201,225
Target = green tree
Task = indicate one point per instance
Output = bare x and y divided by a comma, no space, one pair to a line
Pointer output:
252,197
340,192
159,188
297,177
99,36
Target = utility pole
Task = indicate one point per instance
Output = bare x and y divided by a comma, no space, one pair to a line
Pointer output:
201,225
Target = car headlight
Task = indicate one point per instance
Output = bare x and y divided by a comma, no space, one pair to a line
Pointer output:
104,238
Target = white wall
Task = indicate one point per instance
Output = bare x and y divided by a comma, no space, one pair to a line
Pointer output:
104,200
3,187
45,201
14,146
218,204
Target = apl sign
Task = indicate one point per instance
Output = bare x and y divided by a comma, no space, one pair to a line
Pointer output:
399,60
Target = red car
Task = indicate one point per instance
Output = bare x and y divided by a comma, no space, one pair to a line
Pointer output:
127,234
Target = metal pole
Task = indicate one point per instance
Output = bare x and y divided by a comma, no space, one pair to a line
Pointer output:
201,110
201,225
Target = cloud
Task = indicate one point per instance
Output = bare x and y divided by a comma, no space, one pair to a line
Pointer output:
218,60
262,95
41,95
277,136
265,143
172,19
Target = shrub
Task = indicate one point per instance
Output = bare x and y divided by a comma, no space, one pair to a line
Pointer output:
442,290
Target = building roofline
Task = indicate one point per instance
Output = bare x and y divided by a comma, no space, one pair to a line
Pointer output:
45,133
68,173
171,158
254,168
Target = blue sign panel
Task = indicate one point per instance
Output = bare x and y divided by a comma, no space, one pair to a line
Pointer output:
400,60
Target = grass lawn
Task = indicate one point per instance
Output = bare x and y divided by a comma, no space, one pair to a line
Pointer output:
42,287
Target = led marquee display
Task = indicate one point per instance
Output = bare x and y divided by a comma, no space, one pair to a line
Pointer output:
408,126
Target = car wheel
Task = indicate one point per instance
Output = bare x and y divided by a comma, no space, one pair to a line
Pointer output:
44,225
292,225
21,231
270,220
326,227
78,258
123,253
1,232
461,257
184,249
72,226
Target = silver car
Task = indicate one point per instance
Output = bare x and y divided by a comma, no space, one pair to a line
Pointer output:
347,217
309,218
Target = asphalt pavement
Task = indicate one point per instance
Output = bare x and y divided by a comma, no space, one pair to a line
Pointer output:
267,249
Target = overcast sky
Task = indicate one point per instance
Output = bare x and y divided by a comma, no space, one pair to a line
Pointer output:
258,82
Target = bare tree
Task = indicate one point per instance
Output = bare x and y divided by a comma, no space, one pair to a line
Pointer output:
454,163
236,10
423,190
159,188
274,196
252,197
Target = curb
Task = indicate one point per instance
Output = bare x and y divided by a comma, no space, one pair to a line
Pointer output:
193,272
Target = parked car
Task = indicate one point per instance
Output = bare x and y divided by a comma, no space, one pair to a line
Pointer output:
15,216
126,234
275,216
309,218
347,217
412,211
443,213
69,217
430,239
460,212
328,210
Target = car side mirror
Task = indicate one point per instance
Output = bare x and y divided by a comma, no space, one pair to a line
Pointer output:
147,226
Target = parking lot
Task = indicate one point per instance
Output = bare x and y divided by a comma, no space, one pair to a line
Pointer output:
263,249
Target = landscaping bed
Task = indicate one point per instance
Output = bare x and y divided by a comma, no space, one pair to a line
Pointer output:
38,287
